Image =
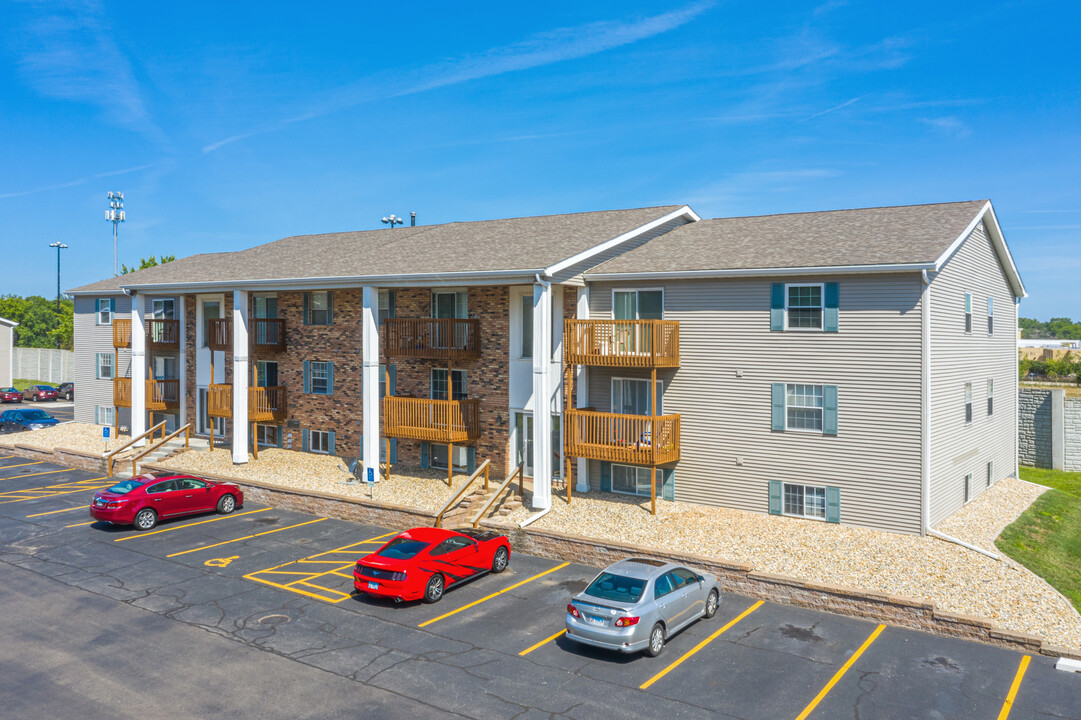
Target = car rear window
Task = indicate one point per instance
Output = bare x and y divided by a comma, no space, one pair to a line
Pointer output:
36,415
620,588
402,548
123,488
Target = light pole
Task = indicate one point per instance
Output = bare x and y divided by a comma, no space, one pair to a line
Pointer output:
59,246
392,220
115,215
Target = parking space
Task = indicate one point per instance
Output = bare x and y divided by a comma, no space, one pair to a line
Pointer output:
282,581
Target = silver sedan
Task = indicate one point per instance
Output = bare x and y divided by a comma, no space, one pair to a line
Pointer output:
637,604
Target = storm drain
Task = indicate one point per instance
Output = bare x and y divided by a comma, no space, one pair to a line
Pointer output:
274,619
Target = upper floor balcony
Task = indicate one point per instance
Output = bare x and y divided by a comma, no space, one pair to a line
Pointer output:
161,334
265,334
621,343
265,404
160,395
432,338
439,421
628,439
121,333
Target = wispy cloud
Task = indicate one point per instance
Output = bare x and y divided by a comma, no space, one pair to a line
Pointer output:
832,109
950,125
74,183
68,53
536,51
729,195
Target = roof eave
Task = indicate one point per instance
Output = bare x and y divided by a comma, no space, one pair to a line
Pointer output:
994,230
758,272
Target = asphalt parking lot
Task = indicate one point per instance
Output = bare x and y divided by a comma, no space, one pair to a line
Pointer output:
267,582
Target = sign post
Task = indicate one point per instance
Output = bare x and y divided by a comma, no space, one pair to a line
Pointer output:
105,437
371,482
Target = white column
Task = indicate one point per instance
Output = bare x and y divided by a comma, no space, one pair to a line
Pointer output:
138,369
581,383
369,380
240,377
183,363
542,396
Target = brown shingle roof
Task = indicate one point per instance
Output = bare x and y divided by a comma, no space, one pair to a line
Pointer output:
870,236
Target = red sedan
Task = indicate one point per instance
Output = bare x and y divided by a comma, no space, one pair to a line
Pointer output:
144,499
39,392
10,394
420,564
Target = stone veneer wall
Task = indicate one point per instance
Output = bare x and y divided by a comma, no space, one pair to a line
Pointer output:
1034,427
1072,418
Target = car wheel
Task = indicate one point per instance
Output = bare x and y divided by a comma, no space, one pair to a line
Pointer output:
145,519
499,562
226,504
68,396
656,641
34,398
433,591
712,602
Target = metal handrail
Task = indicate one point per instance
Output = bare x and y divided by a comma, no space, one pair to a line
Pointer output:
458,495
165,438
110,456
518,471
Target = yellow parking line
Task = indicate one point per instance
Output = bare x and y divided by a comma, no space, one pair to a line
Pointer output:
7,457
1008,705
246,537
80,524
531,648
47,472
320,587
346,547
840,673
5,467
181,527
295,589
54,512
51,494
331,562
700,645
495,594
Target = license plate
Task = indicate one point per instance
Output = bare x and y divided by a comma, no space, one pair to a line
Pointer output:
373,586
595,620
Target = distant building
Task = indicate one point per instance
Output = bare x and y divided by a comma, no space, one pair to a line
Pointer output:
1052,344
7,344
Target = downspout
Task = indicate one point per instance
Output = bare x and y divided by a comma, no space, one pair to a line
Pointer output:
537,516
926,383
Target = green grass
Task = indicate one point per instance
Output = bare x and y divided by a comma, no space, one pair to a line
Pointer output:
1047,537
23,384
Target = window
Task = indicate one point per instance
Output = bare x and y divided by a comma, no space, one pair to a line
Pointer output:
269,435
211,311
968,313
437,456
803,305
266,373
968,487
319,441
805,501
106,370
104,415
264,307
990,316
167,486
968,402
638,305
990,396
631,396
387,305
990,472
383,380
319,374
439,384
663,585
164,368
190,484
450,305
523,443
105,311
527,326
163,309
804,407
630,480
319,308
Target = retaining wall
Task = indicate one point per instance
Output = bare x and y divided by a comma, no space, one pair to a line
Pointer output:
1049,429
45,364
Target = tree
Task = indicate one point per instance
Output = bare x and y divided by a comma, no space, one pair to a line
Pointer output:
40,325
1054,329
145,263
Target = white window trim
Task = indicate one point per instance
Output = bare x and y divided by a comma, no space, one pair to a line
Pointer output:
97,363
311,444
810,431
821,308
970,409
153,308
200,320
450,379
968,482
635,290
106,411
804,516
262,429
990,316
612,391
969,319
636,468
990,397
97,311
311,377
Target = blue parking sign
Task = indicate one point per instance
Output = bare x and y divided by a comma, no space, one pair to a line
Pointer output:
371,476
105,432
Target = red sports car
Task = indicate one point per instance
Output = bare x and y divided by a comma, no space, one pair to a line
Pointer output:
144,499
39,392
10,394
420,564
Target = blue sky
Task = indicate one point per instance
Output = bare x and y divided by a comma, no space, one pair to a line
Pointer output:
227,125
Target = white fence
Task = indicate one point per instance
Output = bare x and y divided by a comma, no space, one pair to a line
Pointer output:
44,364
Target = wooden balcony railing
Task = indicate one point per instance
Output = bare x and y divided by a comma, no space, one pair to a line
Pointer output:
621,343
121,391
162,334
162,394
266,334
435,338
630,439
441,421
121,333
265,404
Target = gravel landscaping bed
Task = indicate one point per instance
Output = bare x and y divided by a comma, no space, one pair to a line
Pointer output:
84,437
955,578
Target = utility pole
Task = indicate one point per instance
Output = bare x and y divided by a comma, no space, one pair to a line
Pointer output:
392,220
115,215
59,246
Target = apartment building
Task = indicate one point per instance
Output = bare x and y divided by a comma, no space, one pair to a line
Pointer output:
853,366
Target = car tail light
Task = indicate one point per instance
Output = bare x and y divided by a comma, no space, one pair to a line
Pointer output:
573,611
398,577
116,503
627,621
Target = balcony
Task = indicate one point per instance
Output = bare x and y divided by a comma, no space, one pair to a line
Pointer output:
432,338
265,404
265,334
160,394
439,421
162,334
121,333
629,439
621,343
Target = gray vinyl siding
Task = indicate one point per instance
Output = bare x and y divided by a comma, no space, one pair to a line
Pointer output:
7,340
618,250
958,448
875,360
90,339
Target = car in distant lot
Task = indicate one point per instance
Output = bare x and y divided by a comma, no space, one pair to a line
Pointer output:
39,392
28,419
637,604
420,564
145,499
10,394
66,391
